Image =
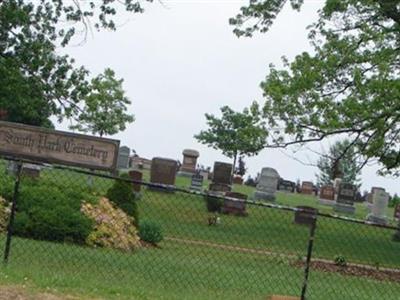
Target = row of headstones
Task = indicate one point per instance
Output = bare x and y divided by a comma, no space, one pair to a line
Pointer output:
343,198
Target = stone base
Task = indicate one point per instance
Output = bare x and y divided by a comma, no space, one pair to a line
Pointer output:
348,209
377,220
262,196
326,202
185,174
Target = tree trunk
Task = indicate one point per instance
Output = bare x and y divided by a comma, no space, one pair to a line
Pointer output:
234,166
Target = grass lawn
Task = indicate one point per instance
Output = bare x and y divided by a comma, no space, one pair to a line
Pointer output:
174,272
243,257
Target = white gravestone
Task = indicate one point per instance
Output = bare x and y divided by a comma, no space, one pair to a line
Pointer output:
380,201
267,185
123,158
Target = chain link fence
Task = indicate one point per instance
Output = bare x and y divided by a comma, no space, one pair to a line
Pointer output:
88,233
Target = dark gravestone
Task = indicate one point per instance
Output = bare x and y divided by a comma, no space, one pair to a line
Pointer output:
137,176
287,186
235,207
306,215
397,212
163,171
197,182
222,173
218,187
307,188
327,195
345,198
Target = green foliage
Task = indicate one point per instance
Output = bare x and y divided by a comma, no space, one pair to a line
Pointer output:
394,201
104,112
36,81
122,195
150,232
340,261
46,212
346,164
348,85
214,204
235,133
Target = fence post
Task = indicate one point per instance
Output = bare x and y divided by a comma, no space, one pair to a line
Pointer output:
313,225
12,215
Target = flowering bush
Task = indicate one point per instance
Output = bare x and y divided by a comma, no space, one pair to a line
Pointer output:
113,228
4,214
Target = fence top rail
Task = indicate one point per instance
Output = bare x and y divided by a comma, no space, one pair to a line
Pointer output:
173,188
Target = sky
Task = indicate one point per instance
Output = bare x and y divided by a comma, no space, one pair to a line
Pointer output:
180,60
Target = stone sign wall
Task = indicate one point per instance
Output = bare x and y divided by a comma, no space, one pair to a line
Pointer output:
51,146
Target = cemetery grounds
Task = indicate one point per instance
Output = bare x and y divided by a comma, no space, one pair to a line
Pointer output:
248,257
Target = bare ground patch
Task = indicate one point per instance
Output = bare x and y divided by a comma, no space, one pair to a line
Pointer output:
15,292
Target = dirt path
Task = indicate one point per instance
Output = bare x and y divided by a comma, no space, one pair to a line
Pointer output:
16,292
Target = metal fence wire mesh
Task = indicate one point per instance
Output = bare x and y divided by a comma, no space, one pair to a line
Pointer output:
73,232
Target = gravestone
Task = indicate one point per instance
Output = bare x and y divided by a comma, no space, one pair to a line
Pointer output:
163,171
336,185
370,197
327,195
137,176
380,203
235,207
267,185
30,170
307,188
306,215
287,186
222,178
345,198
123,158
205,174
222,173
197,182
397,212
189,162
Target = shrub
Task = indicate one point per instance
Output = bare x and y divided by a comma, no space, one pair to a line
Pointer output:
4,214
122,195
340,261
113,227
45,212
150,232
396,236
214,204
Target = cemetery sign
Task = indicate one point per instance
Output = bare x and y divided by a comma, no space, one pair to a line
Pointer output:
52,146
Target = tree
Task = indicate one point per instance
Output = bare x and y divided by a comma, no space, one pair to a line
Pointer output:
105,107
235,133
36,82
241,168
349,85
329,164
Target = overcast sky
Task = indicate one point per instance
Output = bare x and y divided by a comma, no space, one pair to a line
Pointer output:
181,60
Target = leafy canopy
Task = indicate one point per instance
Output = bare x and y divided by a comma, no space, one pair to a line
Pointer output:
235,133
105,107
36,81
349,85
333,164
